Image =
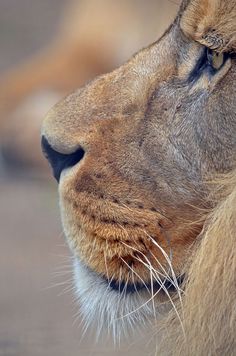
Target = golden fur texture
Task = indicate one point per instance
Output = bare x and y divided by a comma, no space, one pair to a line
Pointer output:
139,208
212,23
208,311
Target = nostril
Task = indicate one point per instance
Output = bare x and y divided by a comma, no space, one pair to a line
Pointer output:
60,161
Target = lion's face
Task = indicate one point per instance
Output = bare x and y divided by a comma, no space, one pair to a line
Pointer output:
133,151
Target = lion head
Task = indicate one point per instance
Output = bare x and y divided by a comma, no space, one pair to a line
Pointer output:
134,152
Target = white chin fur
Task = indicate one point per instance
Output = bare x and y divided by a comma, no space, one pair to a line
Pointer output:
109,311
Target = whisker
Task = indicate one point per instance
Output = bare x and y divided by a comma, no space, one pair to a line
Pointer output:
59,284
141,306
165,274
139,277
68,289
168,295
109,282
152,294
176,284
134,283
105,261
142,254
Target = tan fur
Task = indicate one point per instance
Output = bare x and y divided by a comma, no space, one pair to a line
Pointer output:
156,133
208,311
212,23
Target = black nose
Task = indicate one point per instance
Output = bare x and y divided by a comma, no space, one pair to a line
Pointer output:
60,161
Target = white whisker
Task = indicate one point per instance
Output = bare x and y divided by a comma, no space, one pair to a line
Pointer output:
166,292
136,274
175,281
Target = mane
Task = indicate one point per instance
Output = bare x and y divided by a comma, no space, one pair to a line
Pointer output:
208,309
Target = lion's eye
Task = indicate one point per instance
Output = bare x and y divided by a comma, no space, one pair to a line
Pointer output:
215,60
210,62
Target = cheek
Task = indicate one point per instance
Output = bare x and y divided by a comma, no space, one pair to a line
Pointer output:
116,236
116,257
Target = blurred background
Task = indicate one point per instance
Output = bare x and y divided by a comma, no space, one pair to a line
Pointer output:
48,48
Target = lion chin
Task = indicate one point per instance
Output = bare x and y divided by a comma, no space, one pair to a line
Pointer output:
120,311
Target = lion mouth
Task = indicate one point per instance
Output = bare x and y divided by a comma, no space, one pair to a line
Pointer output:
124,288
128,288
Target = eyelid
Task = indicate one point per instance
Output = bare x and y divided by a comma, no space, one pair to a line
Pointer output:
208,61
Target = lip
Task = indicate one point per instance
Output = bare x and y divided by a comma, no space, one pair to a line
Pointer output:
123,288
131,288
120,243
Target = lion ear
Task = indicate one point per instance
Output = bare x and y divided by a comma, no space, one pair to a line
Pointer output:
212,23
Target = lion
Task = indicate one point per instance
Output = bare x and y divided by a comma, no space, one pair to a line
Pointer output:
145,157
